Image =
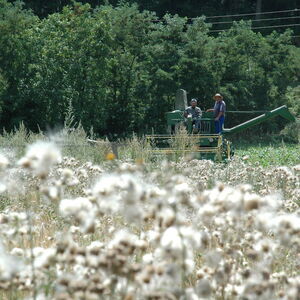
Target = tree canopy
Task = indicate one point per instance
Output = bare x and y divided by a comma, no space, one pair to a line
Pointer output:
119,67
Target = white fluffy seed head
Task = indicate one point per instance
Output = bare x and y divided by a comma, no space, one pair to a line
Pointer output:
72,207
40,157
3,162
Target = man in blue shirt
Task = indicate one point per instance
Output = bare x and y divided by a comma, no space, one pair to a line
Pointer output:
219,112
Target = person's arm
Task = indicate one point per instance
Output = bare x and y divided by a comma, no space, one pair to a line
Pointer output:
185,114
200,113
209,110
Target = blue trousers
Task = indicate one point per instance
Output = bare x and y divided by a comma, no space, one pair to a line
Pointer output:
196,122
219,124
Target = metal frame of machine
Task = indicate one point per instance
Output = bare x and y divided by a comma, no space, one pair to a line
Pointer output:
205,144
199,149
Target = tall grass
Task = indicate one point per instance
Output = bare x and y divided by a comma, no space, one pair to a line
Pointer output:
75,142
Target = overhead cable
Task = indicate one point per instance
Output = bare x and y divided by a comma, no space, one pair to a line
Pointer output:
243,15
259,20
260,27
254,14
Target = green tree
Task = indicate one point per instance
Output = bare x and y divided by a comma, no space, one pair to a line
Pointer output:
200,66
120,68
128,29
256,69
161,60
70,66
15,55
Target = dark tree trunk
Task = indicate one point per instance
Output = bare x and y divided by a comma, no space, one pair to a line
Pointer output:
258,9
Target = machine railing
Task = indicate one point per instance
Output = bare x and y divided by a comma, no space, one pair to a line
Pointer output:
280,111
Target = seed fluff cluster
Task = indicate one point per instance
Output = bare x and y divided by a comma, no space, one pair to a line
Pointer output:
186,230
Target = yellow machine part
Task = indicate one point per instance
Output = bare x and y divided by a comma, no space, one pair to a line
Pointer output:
194,144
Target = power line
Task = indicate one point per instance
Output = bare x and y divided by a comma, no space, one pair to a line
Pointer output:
250,14
260,20
262,27
254,14
274,26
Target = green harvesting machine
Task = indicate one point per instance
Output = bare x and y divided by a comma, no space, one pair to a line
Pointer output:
205,144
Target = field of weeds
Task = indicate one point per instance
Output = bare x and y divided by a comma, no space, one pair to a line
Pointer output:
76,223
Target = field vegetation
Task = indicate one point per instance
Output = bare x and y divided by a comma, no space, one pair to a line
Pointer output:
78,223
119,67
88,210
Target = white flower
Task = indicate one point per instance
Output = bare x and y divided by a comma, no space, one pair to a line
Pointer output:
192,238
71,207
3,187
203,288
3,162
148,258
45,258
167,216
213,258
182,188
123,236
40,157
17,252
152,236
9,265
189,265
171,242
95,245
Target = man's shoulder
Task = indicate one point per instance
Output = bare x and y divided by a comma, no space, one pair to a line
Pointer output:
190,107
223,106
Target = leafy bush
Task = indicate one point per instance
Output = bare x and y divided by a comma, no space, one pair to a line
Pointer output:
121,67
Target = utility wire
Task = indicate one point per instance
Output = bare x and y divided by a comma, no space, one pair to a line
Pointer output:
276,26
254,14
260,20
238,15
261,27
247,111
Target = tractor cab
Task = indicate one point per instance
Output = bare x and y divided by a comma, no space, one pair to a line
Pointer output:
176,117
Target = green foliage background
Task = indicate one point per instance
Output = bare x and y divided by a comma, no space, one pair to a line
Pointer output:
119,67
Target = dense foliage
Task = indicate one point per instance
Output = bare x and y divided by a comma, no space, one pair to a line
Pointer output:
118,68
191,8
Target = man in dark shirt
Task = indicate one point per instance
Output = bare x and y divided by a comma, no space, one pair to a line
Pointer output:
195,112
219,112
